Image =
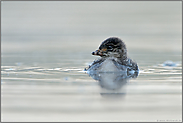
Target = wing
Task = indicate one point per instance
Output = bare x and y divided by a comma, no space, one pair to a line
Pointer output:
96,64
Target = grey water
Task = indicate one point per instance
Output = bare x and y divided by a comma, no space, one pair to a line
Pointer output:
45,47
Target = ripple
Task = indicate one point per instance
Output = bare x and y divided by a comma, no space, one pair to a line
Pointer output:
156,72
170,63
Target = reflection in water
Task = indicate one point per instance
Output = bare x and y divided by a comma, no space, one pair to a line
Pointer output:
113,83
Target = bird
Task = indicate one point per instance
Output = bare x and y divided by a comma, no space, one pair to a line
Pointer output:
113,57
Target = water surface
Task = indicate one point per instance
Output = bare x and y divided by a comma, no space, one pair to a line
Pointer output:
55,88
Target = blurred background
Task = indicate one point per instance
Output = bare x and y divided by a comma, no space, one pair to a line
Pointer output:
46,26
45,46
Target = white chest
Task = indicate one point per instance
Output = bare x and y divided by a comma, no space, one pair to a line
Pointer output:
108,66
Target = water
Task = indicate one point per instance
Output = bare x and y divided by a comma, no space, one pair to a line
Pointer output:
59,90
43,58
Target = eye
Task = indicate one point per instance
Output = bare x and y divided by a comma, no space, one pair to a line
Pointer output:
109,48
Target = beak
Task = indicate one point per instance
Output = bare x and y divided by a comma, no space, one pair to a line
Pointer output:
99,52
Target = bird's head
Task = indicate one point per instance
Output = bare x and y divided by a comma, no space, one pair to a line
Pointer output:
112,47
